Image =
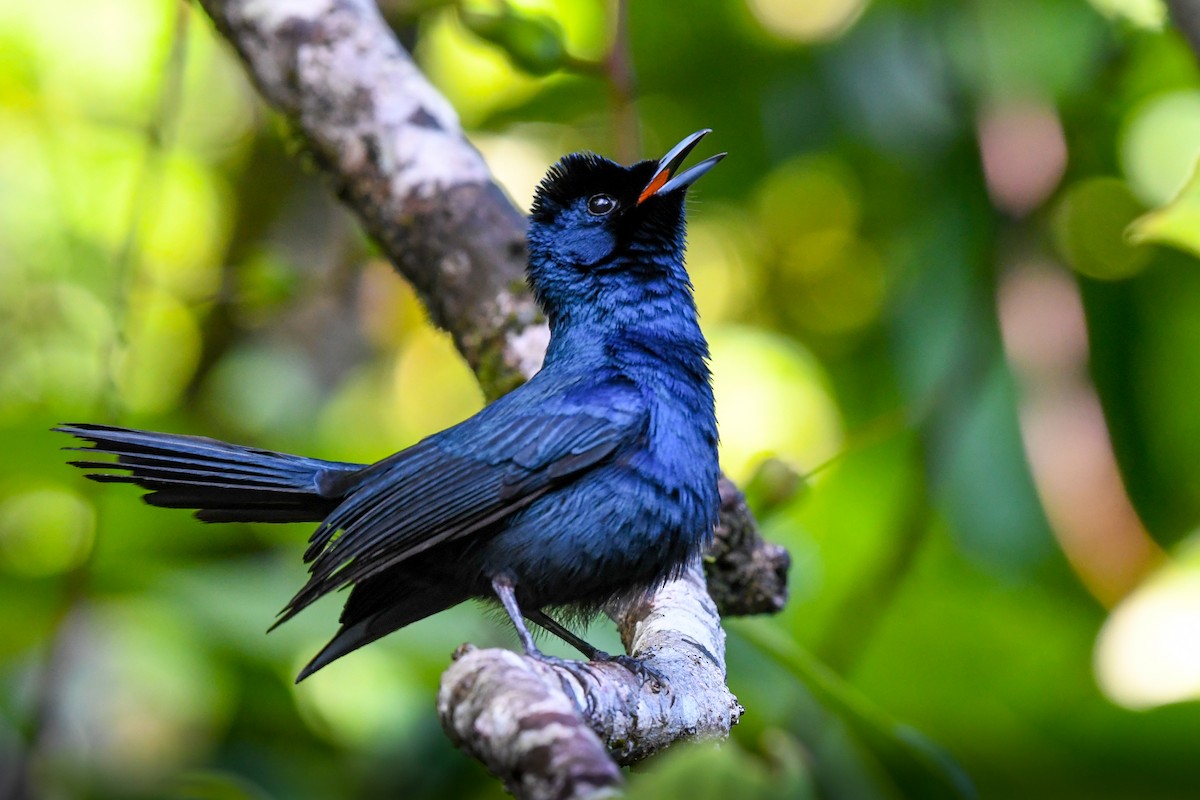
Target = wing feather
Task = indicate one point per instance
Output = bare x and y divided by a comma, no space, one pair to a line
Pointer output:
463,480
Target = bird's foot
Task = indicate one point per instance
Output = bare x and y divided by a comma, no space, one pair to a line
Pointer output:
579,669
641,669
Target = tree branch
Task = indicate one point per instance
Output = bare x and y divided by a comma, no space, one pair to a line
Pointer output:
550,732
394,151
746,574
1186,16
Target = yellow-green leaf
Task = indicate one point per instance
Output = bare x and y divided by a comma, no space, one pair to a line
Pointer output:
1176,224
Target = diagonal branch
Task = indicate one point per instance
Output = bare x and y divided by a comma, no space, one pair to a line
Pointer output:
1186,16
393,149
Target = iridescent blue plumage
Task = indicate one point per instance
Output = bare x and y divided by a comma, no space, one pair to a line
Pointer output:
595,479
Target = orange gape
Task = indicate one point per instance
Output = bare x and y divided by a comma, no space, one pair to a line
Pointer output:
654,185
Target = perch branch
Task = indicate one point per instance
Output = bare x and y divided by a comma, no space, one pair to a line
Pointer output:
393,150
542,728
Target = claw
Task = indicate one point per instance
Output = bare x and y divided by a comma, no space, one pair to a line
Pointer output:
644,672
506,593
641,669
579,669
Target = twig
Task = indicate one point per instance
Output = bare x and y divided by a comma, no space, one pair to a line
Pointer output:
1186,16
622,86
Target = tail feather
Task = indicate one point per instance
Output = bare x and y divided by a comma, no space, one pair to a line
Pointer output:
222,482
177,463
357,630
231,483
177,475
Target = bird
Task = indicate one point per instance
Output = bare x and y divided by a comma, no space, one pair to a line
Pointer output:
594,481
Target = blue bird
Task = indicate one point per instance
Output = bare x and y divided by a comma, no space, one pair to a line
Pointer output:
594,481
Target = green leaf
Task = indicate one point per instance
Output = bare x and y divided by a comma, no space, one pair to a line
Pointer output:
915,766
532,42
704,771
214,785
1177,224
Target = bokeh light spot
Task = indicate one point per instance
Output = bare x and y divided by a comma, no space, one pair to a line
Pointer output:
806,195
476,77
1024,152
186,229
45,531
835,283
163,349
808,212
262,388
1148,653
96,169
1090,225
433,387
1176,224
517,161
58,338
1160,144
366,701
807,20
145,695
772,400
1150,14
99,58
583,23
721,265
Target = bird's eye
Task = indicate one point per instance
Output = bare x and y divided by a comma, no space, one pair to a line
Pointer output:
601,204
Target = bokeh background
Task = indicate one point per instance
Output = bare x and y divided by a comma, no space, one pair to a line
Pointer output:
949,274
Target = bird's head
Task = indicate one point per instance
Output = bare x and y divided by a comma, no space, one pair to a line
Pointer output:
597,225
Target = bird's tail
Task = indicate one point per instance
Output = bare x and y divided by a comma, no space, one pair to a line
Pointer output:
222,482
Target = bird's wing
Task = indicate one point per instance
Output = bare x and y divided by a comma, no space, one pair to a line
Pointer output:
457,482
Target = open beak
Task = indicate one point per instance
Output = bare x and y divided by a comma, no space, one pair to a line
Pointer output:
666,180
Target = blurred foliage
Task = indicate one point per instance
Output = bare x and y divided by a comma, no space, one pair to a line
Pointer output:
973,551
1177,223
532,42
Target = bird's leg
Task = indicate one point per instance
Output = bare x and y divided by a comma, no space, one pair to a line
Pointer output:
506,592
561,631
636,666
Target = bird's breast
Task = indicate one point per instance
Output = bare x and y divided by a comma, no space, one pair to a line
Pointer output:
680,460
626,525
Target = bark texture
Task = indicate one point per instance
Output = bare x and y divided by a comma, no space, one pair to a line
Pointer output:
393,150
545,729
746,574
